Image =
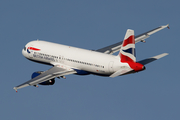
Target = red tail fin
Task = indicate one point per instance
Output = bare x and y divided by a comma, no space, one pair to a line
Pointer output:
127,51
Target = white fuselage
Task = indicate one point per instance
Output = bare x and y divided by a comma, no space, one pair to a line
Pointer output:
75,58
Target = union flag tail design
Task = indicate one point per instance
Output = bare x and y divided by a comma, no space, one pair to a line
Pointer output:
127,51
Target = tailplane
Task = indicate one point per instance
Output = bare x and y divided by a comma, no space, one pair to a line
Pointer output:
127,55
127,51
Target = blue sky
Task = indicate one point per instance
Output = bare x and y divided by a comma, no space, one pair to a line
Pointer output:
90,24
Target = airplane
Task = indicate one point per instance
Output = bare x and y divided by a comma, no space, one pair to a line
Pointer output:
66,60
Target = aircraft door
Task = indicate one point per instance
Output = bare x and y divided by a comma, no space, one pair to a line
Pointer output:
111,67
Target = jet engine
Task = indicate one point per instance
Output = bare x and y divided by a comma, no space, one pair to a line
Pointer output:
48,82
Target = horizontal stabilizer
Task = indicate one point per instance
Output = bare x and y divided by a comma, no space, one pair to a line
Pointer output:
121,72
148,60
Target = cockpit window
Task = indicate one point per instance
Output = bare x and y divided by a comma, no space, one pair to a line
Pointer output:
24,48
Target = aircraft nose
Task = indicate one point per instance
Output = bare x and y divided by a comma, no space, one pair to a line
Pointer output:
24,52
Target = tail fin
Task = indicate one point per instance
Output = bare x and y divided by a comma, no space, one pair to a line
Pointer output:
127,51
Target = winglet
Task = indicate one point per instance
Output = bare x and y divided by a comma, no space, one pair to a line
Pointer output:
164,26
15,88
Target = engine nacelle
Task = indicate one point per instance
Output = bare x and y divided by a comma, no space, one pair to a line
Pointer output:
48,82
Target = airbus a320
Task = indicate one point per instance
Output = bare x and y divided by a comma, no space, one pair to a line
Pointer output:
68,60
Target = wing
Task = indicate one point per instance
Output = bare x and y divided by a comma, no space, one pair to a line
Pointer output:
55,71
116,47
